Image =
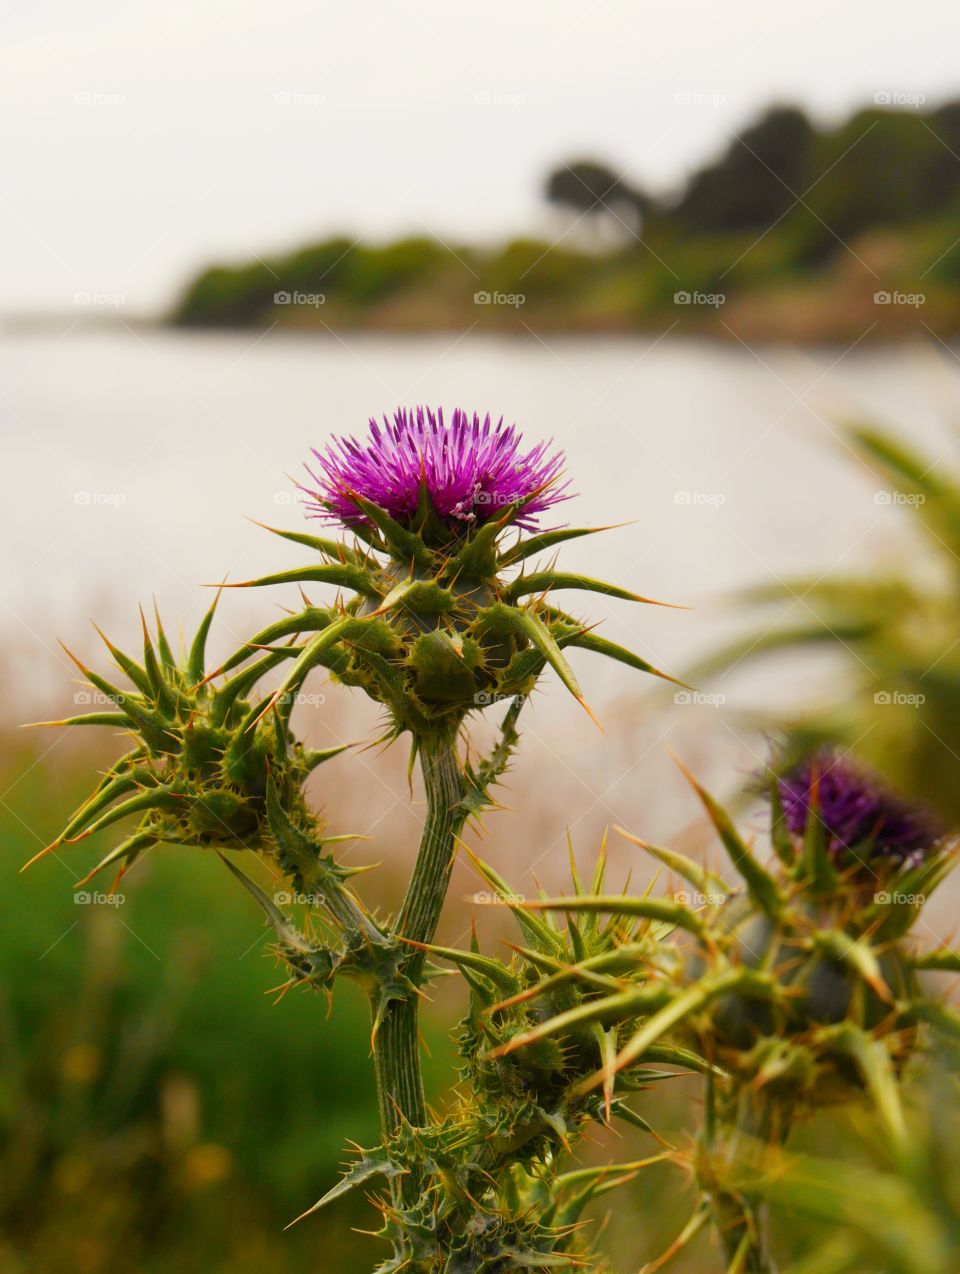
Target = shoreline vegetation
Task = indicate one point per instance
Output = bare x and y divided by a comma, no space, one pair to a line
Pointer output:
795,233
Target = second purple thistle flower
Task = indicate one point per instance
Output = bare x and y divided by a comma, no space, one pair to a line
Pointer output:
472,470
859,814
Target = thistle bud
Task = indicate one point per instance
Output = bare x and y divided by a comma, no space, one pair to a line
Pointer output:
199,770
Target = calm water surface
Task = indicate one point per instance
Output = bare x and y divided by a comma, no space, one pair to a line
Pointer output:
132,456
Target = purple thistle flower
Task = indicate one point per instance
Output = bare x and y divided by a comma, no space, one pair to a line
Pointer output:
859,813
471,470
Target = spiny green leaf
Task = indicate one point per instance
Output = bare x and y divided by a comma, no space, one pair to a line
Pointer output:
196,659
534,544
703,880
546,581
336,550
662,909
342,574
858,955
403,545
681,1006
371,1165
760,884
600,646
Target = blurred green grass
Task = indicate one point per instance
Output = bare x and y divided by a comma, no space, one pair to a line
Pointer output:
158,1110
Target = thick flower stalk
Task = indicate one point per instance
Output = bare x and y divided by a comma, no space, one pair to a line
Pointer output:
800,988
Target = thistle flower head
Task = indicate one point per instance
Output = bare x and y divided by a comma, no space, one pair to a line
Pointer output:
471,470
860,815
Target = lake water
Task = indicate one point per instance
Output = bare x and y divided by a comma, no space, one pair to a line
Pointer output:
131,457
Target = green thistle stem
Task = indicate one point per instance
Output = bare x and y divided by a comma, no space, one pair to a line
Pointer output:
397,1046
741,1218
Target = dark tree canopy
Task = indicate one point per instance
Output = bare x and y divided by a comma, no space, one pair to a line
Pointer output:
756,181
593,188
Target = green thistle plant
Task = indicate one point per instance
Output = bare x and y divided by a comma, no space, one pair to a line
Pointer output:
800,989
440,625
441,619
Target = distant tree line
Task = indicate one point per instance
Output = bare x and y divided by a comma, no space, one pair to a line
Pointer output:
779,207
880,167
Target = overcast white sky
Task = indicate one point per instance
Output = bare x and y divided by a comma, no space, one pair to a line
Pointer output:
144,138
